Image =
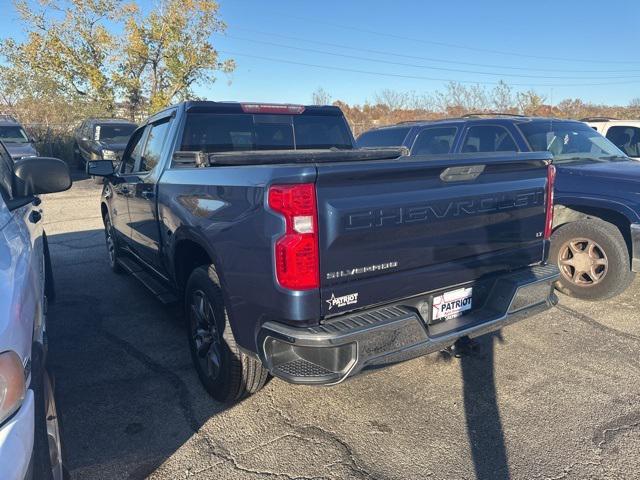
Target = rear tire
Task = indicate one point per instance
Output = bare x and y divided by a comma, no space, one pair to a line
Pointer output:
228,374
593,259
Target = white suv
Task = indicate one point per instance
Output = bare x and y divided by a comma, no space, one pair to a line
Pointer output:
624,134
29,431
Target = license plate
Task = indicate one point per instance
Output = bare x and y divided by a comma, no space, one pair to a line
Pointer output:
452,304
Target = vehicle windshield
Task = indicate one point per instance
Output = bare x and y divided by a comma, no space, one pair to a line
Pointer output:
220,132
13,134
114,133
570,142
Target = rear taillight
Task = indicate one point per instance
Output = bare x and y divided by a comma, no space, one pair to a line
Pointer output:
551,179
272,108
296,252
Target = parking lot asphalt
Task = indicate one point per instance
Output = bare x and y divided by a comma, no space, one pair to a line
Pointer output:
554,396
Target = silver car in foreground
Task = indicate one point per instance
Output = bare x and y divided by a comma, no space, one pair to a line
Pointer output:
29,429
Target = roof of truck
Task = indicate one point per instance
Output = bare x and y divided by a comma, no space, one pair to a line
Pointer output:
273,108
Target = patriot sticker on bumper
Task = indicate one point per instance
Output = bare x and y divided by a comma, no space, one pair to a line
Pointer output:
452,304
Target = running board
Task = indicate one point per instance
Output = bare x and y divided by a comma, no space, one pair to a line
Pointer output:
162,293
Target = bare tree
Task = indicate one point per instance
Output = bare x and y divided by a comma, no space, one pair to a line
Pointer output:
321,97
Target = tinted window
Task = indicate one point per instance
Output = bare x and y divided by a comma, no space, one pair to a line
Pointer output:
385,137
569,141
114,133
216,132
433,141
133,151
6,173
153,148
13,134
488,138
626,139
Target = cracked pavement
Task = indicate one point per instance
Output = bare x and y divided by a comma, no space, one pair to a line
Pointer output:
556,396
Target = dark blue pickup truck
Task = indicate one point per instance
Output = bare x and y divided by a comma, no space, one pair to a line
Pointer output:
596,223
298,255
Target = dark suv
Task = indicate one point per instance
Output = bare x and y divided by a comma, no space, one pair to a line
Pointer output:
596,224
15,139
101,139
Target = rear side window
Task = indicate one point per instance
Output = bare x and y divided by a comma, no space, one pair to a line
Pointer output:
434,141
386,137
216,132
488,138
626,139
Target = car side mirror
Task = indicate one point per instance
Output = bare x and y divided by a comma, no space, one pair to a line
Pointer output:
100,168
39,175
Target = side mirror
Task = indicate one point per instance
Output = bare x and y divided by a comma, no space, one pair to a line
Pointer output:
100,168
39,175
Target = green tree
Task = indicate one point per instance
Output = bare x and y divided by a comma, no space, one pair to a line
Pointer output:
168,52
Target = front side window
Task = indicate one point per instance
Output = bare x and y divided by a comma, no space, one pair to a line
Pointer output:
13,134
153,148
488,138
626,139
133,151
434,141
6,174
570,141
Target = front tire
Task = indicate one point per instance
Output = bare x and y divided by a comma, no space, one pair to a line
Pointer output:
77,157
593,259
228,374
112,246
47,453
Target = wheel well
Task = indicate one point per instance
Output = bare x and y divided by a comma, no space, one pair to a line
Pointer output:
187,257
570,213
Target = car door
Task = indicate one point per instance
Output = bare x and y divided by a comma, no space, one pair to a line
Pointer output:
145,232
25,237
120,189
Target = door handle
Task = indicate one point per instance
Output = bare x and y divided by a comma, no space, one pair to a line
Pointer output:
146,195
35,216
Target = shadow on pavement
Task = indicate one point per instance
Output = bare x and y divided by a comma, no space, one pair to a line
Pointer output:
484,425
483,422
129,397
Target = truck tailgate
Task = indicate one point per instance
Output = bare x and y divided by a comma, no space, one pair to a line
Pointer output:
392,229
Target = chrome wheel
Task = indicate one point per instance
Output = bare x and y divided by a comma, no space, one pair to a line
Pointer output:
53,431
583,262
205,334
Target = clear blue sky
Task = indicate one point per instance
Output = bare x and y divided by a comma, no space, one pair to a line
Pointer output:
585,40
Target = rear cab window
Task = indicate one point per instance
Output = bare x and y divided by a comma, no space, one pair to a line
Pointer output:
384,137
230,132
